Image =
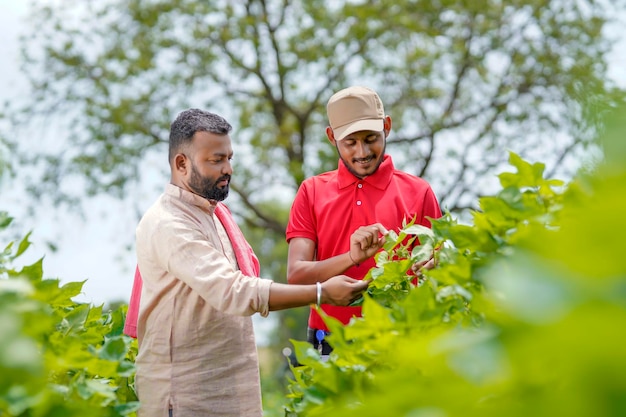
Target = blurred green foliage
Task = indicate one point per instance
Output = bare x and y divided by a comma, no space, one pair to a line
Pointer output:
59,357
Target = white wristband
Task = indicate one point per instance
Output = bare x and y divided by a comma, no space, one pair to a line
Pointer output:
319,293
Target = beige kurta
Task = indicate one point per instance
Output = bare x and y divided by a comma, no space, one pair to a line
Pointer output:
197,353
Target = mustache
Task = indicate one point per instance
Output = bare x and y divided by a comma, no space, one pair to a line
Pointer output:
223,178
367,159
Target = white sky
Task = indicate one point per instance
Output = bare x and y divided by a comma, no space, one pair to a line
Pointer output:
87,249
91,249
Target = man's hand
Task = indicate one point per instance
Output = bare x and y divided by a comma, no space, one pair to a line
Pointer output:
366,241
341,290
417,267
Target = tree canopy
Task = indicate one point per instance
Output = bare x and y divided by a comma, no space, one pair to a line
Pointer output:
464,81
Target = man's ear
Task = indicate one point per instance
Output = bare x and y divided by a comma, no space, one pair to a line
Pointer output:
331,135
387,125
181,163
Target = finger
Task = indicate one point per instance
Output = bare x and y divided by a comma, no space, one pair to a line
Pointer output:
380,229
362,238
365,243
429,265
372,238
362,285
418,265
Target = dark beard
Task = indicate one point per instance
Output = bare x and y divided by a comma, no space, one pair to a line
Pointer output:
381,158
206,188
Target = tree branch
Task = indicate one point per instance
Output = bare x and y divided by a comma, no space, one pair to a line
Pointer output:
266,222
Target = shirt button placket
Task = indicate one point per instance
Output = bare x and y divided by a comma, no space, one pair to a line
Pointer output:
359,214
360,186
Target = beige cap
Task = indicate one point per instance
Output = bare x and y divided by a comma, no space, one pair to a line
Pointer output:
354,109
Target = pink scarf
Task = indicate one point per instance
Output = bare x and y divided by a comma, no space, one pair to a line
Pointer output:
247,260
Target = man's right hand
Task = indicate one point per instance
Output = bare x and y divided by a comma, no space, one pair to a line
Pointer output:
341,290
366,241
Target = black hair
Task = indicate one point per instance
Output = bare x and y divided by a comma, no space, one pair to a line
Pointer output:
190,121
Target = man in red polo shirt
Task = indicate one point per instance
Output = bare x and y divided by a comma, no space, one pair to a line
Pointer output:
338,218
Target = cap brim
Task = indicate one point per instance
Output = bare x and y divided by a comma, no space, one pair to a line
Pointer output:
375,125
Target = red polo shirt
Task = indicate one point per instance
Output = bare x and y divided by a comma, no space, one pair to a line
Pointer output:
329,207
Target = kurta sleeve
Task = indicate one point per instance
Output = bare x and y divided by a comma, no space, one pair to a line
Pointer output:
185,253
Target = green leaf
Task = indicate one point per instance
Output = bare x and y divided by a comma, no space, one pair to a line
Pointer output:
72,289
33,272
24,244
128,408
5,220
423,233
77,316
305,354
114,349
376,315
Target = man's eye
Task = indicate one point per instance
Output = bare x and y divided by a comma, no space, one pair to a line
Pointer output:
219,160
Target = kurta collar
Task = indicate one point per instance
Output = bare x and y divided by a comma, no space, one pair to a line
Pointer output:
190,198
379,179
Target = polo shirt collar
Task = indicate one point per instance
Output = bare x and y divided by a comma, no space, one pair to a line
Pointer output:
190,198
379,179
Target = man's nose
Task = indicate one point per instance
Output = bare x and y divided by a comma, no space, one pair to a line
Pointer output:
227,169
362,149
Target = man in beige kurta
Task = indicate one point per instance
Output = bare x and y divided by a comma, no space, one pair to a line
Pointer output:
196,341
197,356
